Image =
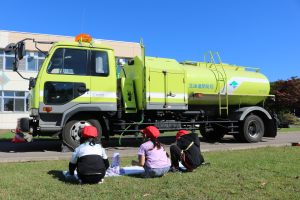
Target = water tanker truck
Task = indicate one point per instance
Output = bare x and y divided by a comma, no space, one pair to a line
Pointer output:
77,86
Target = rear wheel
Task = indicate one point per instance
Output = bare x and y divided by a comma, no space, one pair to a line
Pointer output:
252,130
71,132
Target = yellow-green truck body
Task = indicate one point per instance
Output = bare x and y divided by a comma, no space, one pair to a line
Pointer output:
77,85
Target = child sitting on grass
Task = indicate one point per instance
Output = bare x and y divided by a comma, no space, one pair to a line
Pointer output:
89,158
187,151
151,154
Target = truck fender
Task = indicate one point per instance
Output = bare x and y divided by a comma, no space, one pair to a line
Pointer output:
89,110
241,113
73,111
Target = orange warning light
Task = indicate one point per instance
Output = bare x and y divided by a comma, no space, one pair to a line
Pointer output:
83,37
47,109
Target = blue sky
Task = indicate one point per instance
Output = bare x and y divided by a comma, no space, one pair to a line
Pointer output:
254,33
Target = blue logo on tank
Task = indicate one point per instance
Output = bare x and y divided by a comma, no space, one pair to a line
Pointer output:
234,84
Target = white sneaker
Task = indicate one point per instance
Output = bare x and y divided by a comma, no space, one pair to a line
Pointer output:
101,181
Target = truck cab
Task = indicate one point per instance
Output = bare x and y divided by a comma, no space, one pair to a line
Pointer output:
75,78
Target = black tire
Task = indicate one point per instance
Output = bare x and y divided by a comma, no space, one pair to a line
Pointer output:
214,135
252,130
70,133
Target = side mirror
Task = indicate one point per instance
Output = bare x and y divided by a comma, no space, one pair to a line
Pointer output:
10,47
21,50
15,65
131,62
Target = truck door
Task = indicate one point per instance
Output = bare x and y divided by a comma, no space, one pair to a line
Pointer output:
157,90
166,90
175,90
103,80
66,81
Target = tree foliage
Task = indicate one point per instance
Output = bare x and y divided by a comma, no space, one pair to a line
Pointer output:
287,93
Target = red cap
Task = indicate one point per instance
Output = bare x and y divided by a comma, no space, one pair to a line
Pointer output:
89,131
151,132
181,133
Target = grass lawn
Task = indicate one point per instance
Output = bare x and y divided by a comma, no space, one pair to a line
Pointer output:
7,135
265,173
291,129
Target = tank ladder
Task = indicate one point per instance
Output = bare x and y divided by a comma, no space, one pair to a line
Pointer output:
221,78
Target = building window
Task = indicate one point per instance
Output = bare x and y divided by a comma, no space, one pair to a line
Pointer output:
40,60
31,62
1,62
9,61
14,101
1,59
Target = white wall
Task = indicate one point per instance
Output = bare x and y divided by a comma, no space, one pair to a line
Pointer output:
9,120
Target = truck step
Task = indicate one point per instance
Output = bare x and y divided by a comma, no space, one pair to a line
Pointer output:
233,132
232,126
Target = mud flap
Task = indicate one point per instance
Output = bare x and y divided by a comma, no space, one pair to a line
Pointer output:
271,128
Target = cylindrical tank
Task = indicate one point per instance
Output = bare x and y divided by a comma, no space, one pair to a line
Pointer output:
205,81
165,83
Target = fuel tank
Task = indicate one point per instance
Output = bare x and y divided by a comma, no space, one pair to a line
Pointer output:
208,82
162,84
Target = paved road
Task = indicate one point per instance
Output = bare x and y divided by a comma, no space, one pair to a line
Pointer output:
51,149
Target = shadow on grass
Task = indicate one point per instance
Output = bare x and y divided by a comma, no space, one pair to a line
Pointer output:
135,176
225,140
57,174
37,145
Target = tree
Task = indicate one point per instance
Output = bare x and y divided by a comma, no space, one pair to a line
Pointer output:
287,94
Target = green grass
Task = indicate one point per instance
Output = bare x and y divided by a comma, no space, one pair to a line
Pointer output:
7,135
291,129
265,173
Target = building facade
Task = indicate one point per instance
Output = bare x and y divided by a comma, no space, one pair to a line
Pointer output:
14,92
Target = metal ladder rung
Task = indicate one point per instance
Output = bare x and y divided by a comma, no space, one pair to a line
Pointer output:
225,108
221,78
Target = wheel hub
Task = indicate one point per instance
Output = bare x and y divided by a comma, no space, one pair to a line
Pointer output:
76,128
253,129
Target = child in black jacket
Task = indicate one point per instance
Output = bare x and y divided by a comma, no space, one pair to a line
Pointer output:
187,151
89,158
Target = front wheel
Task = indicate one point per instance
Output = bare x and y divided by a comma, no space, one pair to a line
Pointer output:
71,135
252,130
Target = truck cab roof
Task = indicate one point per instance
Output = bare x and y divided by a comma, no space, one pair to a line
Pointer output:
82,44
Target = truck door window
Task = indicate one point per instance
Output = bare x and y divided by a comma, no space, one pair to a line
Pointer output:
68,61
62,92
99,62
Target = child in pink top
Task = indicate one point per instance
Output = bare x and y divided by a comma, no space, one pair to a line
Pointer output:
151,154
